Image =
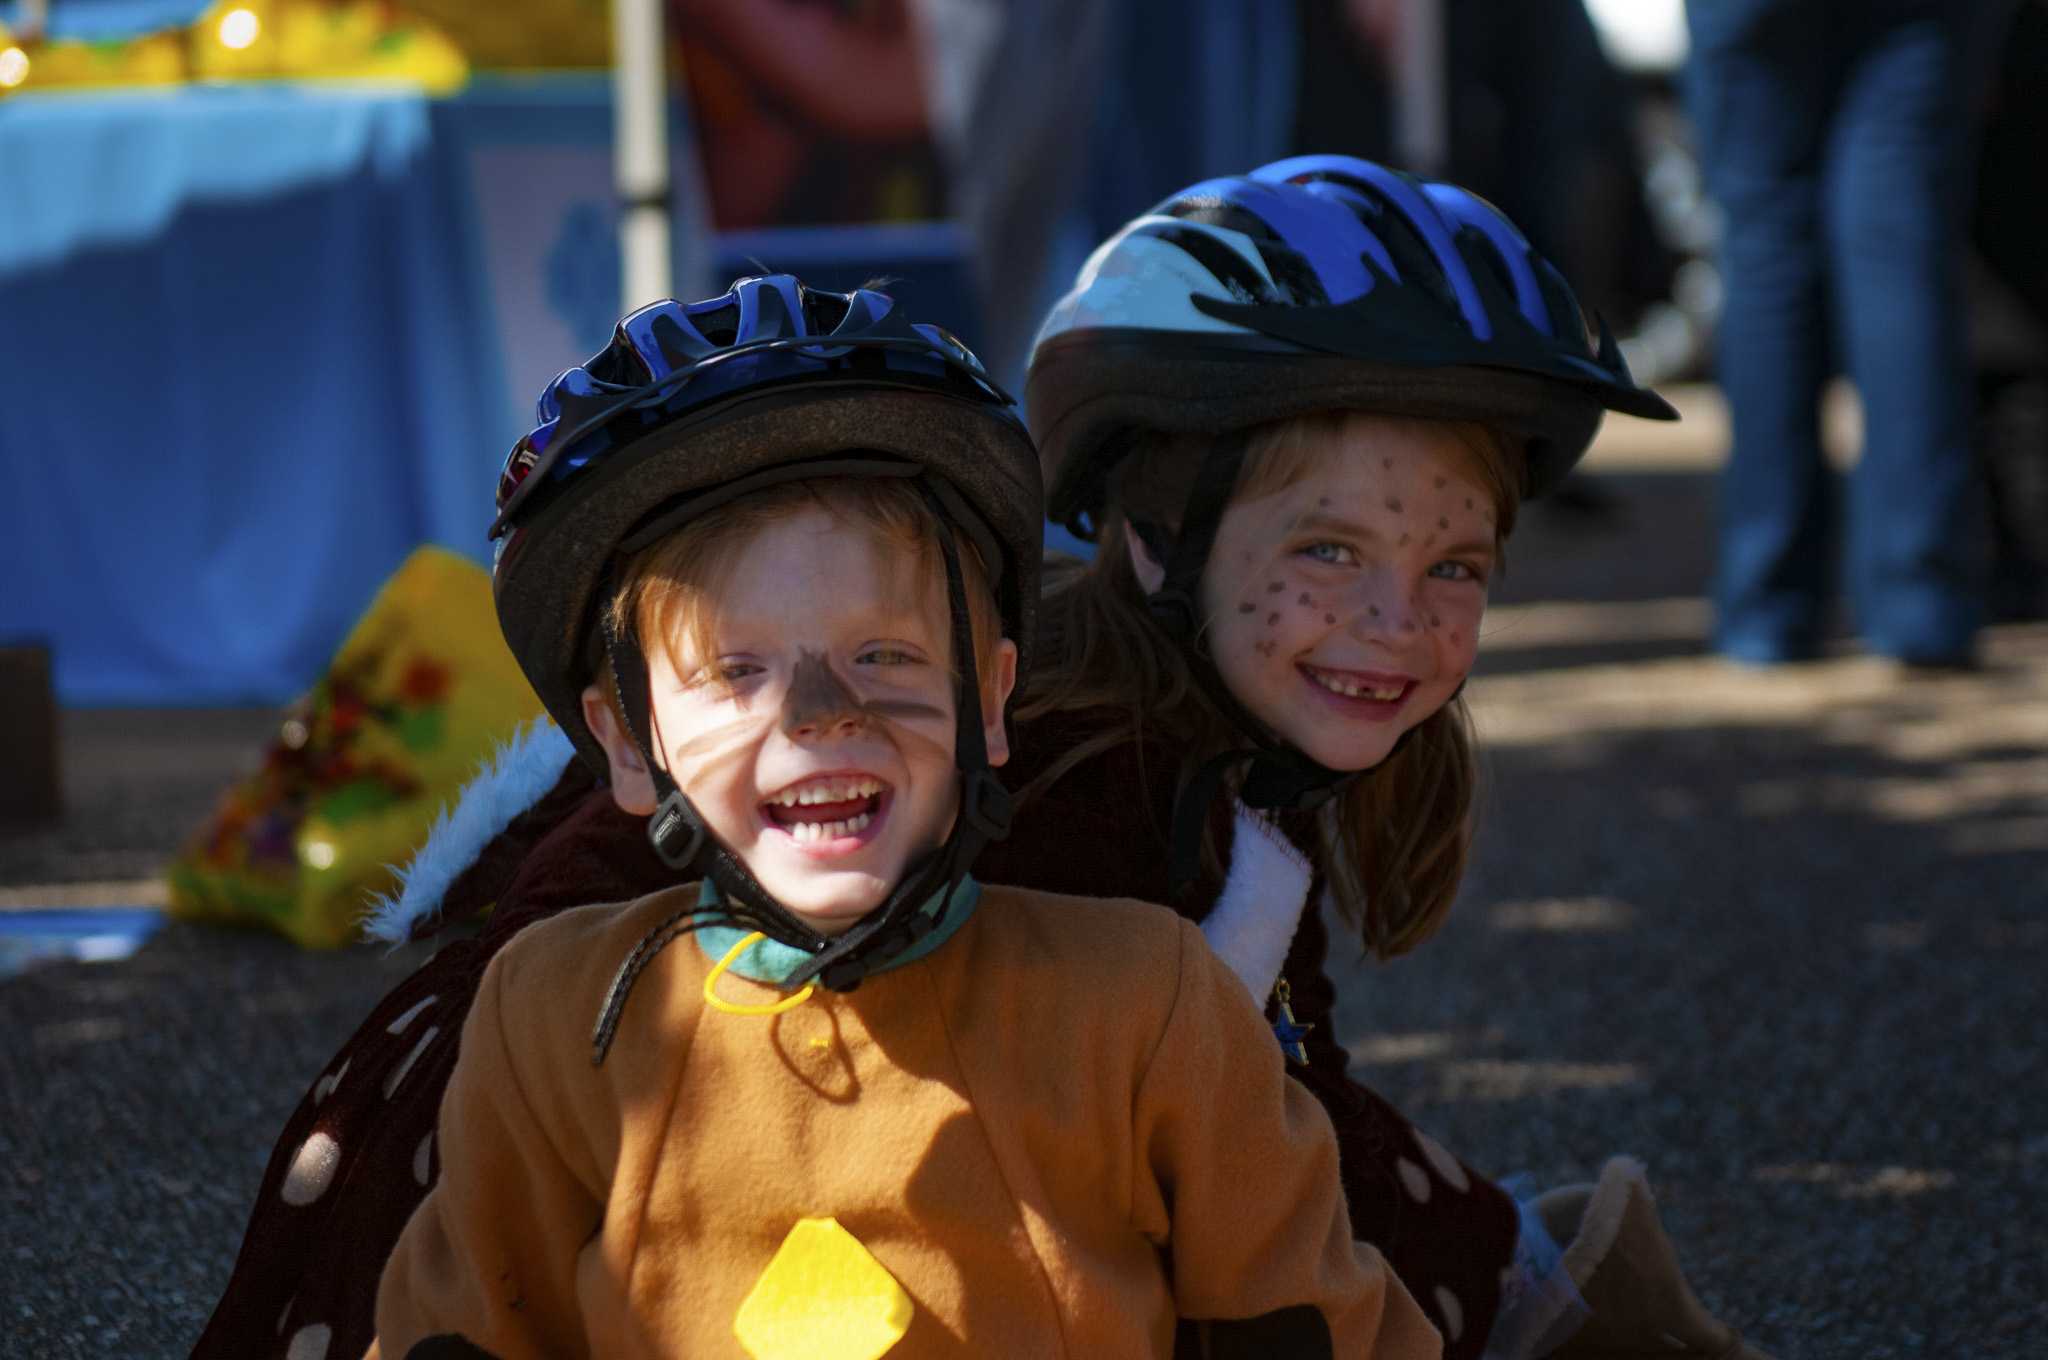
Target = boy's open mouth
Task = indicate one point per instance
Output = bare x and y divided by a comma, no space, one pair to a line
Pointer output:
1371,687
827,808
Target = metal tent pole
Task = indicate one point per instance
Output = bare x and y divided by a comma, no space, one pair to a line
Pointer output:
640,154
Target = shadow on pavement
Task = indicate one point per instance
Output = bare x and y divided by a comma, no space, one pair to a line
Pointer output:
1782,942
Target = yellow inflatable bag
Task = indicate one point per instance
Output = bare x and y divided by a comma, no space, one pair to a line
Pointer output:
422,691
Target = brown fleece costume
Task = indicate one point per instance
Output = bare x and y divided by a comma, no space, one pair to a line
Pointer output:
1019,1126
1448,1232
1100,830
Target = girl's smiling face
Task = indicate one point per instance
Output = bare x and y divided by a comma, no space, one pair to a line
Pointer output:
1344,608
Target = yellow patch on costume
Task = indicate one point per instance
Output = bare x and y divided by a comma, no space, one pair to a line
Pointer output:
823,1297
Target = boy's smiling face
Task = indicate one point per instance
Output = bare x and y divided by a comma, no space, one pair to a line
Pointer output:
1344,609
815,734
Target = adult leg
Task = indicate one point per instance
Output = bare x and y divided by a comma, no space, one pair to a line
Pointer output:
1897,210
1758,84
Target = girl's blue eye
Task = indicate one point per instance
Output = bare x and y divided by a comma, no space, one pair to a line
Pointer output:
885,656
1454,571
1334,554
732,672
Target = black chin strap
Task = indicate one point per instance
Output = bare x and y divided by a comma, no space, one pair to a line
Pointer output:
1277,776
683,841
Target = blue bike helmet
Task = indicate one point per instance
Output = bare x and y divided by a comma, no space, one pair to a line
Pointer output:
693,405
1314,283
1310,284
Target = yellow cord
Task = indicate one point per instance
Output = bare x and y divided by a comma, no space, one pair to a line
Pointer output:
788,1003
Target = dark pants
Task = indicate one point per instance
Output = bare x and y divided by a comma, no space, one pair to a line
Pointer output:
1834,135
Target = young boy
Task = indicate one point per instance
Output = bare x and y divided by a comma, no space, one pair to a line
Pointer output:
862,1104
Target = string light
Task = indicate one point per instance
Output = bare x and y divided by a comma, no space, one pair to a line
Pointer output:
13,67
239,29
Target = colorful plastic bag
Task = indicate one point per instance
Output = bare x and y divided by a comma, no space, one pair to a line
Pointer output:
422,691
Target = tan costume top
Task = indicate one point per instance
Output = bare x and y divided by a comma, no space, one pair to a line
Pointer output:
1060,1131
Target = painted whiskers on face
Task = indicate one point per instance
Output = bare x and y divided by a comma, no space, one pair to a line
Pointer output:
828,808
816,738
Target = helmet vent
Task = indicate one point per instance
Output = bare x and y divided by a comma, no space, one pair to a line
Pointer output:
1473,244
1214,213
721,326
618,364
826,310
1417,263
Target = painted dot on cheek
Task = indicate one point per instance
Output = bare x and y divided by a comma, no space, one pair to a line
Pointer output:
1245,607
1440,483
1442,522
1323,501
1272,619
1468,502
1457,639
1435,622
1276,587
1329,618
1373,610
1394,504
1305,600
1404,541
1387,463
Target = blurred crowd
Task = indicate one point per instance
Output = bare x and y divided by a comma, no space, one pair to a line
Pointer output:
1816,188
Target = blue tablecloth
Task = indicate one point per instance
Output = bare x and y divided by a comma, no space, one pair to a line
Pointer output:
246,364
258,342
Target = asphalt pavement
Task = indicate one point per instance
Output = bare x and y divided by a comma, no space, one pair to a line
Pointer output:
1779,934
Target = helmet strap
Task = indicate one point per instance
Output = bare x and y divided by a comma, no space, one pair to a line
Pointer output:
684,842
1276,776
985,808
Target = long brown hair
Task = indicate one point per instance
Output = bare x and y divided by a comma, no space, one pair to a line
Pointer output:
1396,843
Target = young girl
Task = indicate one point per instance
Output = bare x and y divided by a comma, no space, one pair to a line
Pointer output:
1253,393
1297,412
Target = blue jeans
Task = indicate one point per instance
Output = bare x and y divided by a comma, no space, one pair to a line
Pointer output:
1834,135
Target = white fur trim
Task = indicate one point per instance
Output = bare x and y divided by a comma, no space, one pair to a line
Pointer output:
1254,918
509,783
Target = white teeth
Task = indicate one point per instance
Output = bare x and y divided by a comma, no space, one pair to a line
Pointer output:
828,791
803,833
1351,689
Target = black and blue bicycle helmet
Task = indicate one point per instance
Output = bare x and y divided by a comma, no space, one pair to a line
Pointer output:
1314,283
1317,283
693,405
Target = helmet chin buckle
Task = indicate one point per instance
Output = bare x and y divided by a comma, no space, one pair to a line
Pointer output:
1175,612
675,831
985,805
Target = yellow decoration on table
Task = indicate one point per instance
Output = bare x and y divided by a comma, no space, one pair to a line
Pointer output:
156,59
823,1297
352,40
323,40
423,690
524,34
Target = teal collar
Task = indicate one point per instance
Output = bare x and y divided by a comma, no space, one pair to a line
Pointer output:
771,961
